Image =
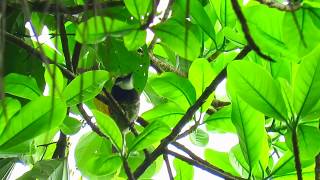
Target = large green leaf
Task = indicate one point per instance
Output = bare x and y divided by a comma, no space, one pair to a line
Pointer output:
85,87
35,118
172,35
109,127
168,113
21,86
70,126
184,171
307,84
177,89
256,86
97,28
286,165
303,26
308,141
220,121
8,108
6,166
135,39
224,12
138,8
48,169
91,152
220,160
153,133
54,79
199,14
250,127
200,75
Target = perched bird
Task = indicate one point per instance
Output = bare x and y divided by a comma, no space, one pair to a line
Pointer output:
128,98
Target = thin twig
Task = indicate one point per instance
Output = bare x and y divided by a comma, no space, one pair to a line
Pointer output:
211,169
76,56
87,118
52,8
177,129
64,42
127,169
296,153
60,150
166,160
165,66
245,29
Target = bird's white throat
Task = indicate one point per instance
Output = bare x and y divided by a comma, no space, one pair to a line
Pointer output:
126,84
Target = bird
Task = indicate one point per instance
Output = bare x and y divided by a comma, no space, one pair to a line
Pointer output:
128,98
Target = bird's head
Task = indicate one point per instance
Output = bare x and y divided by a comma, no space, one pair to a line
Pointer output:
125,82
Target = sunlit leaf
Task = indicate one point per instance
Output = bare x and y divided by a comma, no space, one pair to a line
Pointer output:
153,133
200,75
109,127
135,39
261,92
184,171
48,169
307,83
97,28
85,87
138,8
220,160
220,121
199,137
70,126
172,35
21,86
175,88
35,118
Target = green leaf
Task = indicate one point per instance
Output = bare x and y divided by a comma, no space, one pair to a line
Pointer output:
184,171
224,12
48,169
168,113
54,79
153,133
177,89
261,92
200,75
97,28
6,167
238,161
307,84
70,126
250,127
109,127
138,8
135,39
200,16
306,27
220,160
286,165
220,121
8,108
172,35
35,118
101,165
118,60
85,86
199,137
308,141
90,149
21,86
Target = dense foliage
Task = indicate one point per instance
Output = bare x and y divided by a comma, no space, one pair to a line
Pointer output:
51,88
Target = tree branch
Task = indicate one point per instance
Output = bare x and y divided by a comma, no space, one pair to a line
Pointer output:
127,169
87,118
71,10
217,171
76,56
64,42
166,160
165,66
211,169
280,6
184,120
296,153
60,150
245,29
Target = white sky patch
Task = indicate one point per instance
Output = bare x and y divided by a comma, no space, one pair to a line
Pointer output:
44,37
